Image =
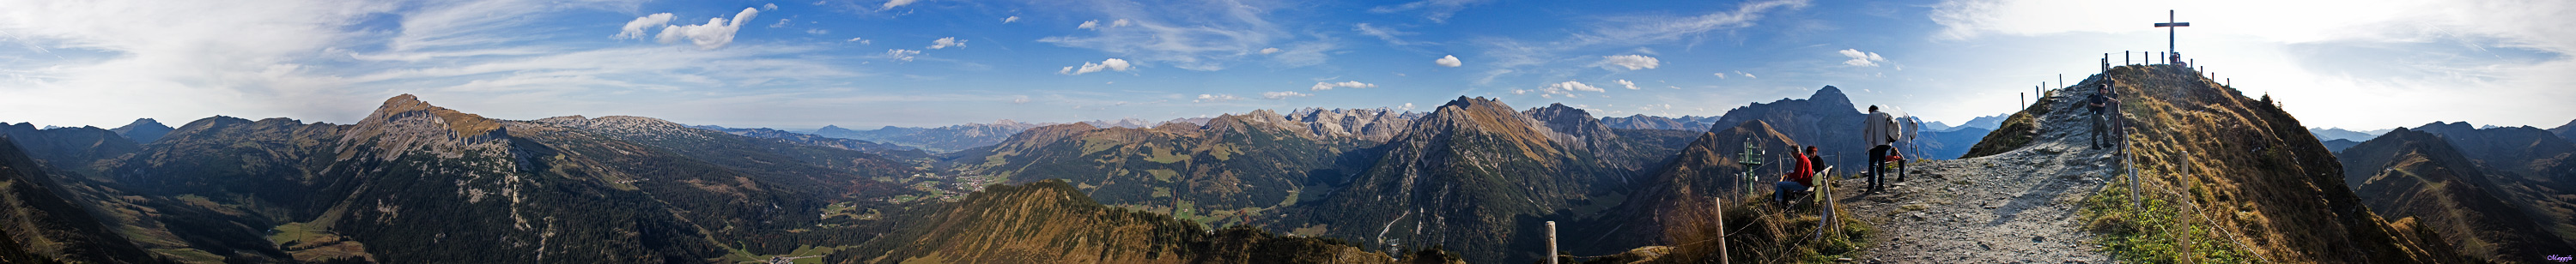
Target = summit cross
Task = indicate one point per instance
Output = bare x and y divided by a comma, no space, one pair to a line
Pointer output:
2170,26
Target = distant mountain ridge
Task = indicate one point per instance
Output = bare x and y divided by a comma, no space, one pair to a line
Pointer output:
2567,131
1992,122
2331,134
939,139
143,131
1641,121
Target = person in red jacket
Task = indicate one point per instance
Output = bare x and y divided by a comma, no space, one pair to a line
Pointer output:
1800,176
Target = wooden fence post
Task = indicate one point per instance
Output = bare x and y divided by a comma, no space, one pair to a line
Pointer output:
1721,229
1551,241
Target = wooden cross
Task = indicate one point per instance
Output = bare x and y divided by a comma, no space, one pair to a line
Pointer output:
2169,26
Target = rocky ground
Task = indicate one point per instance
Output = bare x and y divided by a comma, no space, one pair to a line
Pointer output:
2015,207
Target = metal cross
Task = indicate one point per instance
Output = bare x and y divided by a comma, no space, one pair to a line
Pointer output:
2169,26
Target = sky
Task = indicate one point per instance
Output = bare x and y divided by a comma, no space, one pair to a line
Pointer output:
805,64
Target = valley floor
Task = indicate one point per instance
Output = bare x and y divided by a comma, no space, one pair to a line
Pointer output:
2016,207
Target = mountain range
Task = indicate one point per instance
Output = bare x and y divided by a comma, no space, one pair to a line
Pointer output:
2331,134
939,139
413,182
2413,173
1641,121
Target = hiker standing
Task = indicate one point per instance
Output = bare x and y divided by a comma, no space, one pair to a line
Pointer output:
2100,103
1881,132
1799,177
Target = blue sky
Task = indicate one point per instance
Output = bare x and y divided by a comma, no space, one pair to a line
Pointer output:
804,64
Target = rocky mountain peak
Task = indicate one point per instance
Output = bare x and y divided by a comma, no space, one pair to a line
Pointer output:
407,106
143,130
405,123
1574,126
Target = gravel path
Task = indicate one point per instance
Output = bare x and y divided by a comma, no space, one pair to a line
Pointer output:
2015,207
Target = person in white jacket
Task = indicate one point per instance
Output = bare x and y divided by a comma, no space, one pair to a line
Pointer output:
1882,130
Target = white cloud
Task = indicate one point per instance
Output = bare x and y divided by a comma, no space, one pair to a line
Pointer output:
1090,24
1863,59
817,31
1448,61
1008,20
1568,87
1323,86
861,41
635,29
782,22
901,54
1269,50
1120,23
769,6
946,42
1216,98
1112,64
1720,75
1632,62
1407,107
1747,75
1630,85
890,4
715,34
1283,95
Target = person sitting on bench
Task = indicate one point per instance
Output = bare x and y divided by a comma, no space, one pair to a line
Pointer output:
1799,177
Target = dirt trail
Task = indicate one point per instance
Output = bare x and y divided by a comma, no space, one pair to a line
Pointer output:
2015,207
